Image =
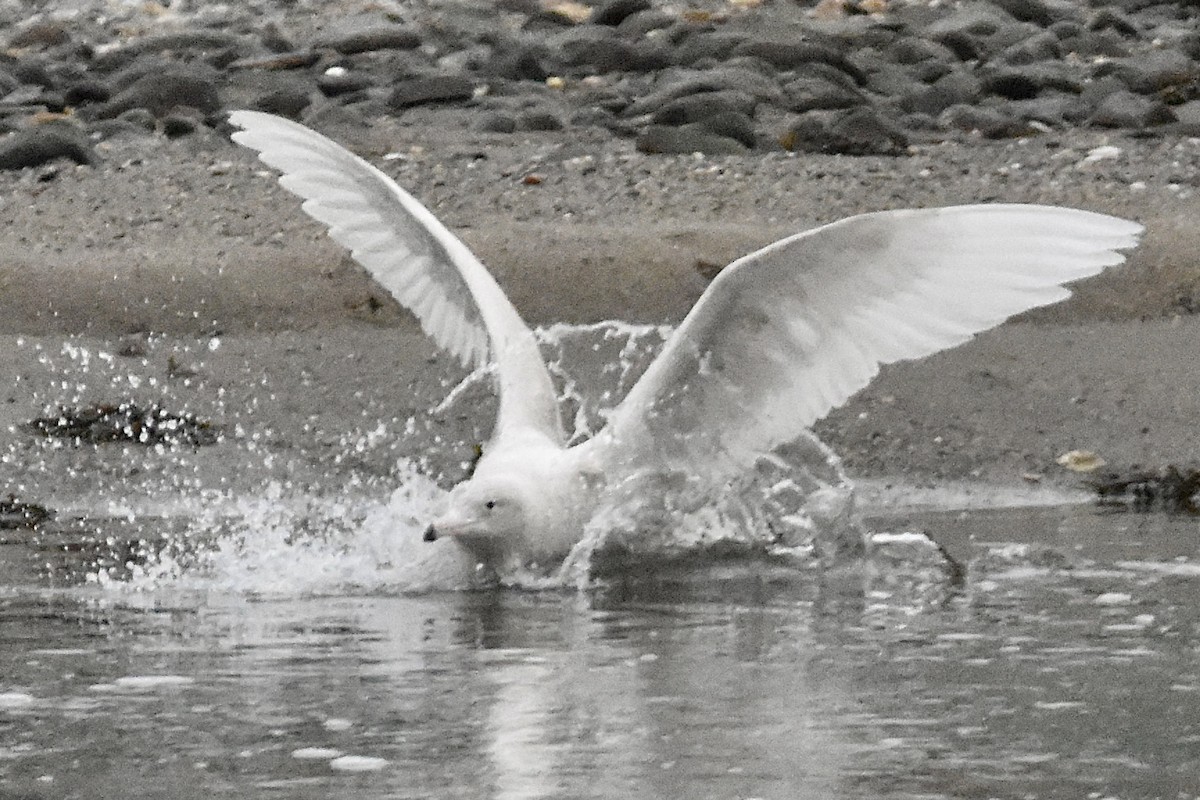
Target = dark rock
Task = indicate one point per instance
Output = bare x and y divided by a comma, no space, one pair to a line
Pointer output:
857,132
602,55
539,121
1053,108
1124,109
126,422
699,106
1013,84
635,26
384,37
431,89
516,62
288,103
690,138
1108,44
715,45
815,93
614,12
1042,47
974,20
341,83
138,119
914,49
1034,11
86,92
696,82
43,143
33,71
274,39
732,125
496,122
962,44
158,93
790,55
175,125
1110,19
954,88
1152,72
991,123
1171,489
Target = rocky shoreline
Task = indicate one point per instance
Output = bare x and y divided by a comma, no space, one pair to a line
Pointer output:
842,76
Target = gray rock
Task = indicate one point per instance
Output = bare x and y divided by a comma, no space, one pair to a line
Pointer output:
813,93
1107,18
517,61
431,89
991,123
1124,109
791,55
1035,11
539,120
716,45
288,103
731,124
496,122
1153,71
1012,83
1042,47
610,54
1108,44
159,93
696,107
915,49
200,40
696,82
638,25
614,12
336,85
1053,108
177,124
43,143
857,132
86,92
954,88
690,138
382,37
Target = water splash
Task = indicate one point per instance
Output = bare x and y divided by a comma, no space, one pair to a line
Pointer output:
279,508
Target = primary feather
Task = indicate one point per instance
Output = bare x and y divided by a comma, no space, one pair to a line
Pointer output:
411,254
788,333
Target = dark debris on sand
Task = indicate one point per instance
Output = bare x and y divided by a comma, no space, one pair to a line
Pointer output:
16,513
125,422
1168,489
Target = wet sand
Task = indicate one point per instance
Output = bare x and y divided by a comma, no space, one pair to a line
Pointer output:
192,238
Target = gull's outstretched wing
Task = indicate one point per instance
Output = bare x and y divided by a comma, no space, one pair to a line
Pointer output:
412,255
786,334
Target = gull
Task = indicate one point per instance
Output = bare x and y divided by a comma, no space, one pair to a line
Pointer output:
778,339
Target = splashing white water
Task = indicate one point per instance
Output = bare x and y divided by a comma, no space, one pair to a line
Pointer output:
288,540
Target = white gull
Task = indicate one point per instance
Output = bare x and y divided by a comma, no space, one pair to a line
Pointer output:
780,337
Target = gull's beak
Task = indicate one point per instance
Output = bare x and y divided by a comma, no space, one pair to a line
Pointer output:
431,534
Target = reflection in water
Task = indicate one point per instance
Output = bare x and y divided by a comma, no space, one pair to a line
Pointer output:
1042,677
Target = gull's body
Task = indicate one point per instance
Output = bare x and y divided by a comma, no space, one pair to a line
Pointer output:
780,337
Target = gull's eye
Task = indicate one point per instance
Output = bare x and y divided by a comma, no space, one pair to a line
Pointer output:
489,505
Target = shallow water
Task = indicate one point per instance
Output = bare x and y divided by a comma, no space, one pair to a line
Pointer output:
1067,663
256,618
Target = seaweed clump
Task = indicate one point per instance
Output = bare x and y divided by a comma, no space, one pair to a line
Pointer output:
1169,489
125,422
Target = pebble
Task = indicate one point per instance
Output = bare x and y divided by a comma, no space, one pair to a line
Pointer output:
43,143
431,89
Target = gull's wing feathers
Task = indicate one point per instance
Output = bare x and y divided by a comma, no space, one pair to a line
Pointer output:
786,334
412,255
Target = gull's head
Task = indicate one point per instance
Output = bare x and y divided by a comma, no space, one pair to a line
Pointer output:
487,516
